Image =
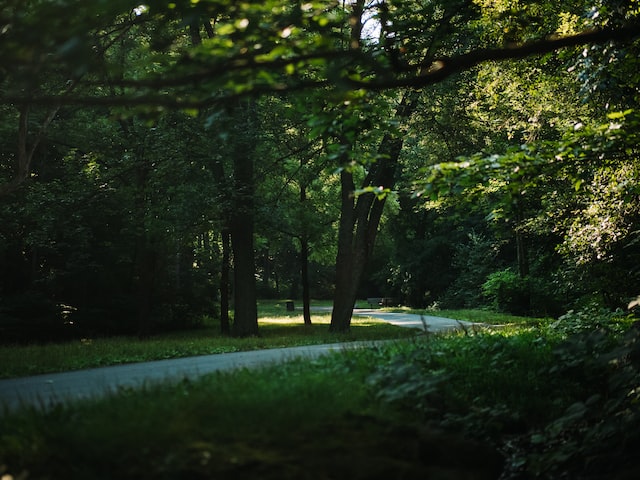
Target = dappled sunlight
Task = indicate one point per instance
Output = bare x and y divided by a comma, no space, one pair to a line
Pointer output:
397,309
484,316
294,320
366,322
506,331
318,319
278,328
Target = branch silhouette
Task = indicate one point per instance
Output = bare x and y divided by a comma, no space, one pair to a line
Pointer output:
193,90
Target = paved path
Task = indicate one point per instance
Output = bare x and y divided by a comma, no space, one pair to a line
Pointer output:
49,389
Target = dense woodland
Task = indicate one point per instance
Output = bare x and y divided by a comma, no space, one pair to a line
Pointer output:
164,161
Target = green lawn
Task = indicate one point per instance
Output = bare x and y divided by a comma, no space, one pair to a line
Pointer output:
278,328
461,405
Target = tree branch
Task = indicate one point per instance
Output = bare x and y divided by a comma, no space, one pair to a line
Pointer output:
420,75
441,68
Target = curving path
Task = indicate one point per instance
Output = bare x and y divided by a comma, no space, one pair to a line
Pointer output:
49,389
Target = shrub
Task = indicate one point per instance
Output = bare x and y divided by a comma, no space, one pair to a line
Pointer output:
556,408
473,262
508,292
590,318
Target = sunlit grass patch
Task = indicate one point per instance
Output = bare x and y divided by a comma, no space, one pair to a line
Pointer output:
317,319
294,320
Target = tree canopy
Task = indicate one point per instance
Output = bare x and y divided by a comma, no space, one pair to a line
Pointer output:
488,150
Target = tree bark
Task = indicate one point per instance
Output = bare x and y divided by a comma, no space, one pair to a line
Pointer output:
304,263
359,220
344,295
240,232
304,273
245,321
346,263
225,325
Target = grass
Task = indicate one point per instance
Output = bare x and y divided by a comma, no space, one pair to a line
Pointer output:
380,412
278,328
277,422
486,317
315,419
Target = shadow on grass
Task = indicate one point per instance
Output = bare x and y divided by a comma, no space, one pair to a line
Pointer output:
312,420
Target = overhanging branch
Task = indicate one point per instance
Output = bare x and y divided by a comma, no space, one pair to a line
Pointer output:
145,92
441,68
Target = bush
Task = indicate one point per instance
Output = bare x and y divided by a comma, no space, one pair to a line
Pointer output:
508,292
473,262
556,408
590,318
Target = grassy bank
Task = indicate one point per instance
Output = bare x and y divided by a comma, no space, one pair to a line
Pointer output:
275,422
532,402
278,328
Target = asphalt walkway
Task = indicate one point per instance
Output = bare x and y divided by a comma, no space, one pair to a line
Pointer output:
49,389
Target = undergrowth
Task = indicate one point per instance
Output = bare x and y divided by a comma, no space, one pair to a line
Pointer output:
552,402
560,401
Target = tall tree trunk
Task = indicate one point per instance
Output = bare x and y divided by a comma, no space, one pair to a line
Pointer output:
227,231
245,321
304,262
359,220
225,236
344,296
350,258
225,326
304,274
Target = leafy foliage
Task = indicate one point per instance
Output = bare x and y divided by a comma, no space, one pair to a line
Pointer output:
520,151
583,188
474,260
555,407
507,291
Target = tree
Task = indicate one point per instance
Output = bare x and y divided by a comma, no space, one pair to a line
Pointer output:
263,47
296,195
266,47
360,218
245,322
